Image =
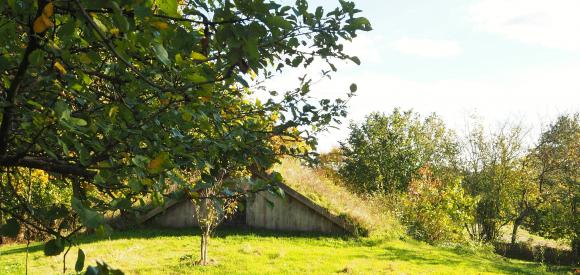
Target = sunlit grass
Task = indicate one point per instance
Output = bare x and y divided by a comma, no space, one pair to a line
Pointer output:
524,236
372,214
246,252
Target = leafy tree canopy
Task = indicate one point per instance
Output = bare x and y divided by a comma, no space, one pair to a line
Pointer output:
116,96
558,159
385,152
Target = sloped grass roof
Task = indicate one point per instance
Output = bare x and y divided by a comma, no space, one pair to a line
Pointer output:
369,215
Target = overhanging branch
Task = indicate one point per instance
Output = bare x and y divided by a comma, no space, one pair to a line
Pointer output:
47,165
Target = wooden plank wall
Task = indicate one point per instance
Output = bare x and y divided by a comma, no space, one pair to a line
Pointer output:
288,214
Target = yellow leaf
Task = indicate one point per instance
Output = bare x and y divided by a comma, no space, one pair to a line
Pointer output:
160,25
59,67
178,58
147,182
253,74
41,23
197,56
197,78
114,31
48,9
157,164
113,111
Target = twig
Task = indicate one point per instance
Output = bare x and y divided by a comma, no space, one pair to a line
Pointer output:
64,258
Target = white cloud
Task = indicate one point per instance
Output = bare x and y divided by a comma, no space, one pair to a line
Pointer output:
534,96
427,47
366,47
549,23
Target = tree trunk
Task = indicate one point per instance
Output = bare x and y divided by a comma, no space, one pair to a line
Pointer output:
204,242
517,223
576,249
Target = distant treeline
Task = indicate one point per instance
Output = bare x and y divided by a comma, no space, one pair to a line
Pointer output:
448,188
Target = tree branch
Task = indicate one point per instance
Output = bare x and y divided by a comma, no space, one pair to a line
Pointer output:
47,165
16,84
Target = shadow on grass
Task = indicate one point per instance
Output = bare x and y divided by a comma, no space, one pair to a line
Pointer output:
222,232
451,258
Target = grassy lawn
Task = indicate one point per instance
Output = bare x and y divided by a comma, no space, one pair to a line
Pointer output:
244,252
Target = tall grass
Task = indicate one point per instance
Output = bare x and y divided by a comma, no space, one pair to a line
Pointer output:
372,214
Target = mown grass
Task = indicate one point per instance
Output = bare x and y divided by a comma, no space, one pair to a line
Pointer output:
249,252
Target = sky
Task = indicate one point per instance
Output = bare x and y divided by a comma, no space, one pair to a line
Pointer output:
499,60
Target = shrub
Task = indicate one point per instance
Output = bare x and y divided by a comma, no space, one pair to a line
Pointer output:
435,211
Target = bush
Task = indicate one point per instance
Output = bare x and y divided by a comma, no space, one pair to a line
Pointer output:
435,211
530,252
24,192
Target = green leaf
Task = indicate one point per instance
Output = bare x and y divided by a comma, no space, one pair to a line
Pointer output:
280,22
360,23
104,230
10,229
100,25
140,161
78,121
196,78
88,217
198,56
169,7
92,270
161,54
80,264
355,59
353,87
280,192
135,185
121,203
54,247
121,22
252,50
269,203
36,57
102,269
319,12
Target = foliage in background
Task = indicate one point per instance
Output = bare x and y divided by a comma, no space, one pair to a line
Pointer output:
47,200
558,160
384,153
495,171
436,211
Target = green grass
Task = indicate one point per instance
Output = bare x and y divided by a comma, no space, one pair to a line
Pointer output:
263,252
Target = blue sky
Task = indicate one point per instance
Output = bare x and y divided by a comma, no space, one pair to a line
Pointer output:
500,60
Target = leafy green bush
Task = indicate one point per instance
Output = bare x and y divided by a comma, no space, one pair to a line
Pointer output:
435,211
25,191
